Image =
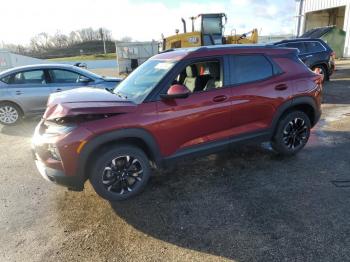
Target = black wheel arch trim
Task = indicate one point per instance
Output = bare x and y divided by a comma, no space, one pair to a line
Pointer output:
115,136
304,100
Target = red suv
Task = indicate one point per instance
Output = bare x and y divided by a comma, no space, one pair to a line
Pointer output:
179,103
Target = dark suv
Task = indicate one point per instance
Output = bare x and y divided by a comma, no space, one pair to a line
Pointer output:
180,103
315,53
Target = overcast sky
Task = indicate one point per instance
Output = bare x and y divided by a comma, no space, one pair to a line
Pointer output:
139,19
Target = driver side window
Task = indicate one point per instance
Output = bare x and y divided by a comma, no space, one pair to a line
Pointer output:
201,76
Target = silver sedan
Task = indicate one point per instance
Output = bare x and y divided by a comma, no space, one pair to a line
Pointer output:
24,90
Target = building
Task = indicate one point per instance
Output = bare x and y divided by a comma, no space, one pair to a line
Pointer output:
132,54
320,13
9,60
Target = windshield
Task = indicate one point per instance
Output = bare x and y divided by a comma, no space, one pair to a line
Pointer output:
140,83
212,25
88,73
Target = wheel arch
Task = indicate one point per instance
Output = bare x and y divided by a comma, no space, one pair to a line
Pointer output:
13,103
138,137
325,66
320,64
305,104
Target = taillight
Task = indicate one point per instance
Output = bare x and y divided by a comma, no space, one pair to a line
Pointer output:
318,79
333,55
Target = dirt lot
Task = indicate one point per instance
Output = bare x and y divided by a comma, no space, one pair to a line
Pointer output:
247,205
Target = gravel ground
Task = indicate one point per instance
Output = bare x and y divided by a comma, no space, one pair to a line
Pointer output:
245,205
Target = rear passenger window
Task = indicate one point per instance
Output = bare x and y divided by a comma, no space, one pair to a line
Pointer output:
36,77
300,46
313,47
249,68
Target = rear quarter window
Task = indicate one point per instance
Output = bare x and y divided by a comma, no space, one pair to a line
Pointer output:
250,68
313,47
6,79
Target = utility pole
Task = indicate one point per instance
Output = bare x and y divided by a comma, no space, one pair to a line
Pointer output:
301,3
103,40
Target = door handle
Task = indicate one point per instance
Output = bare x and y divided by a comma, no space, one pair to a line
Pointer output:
58,90
281,87
308,56
19,92
220,98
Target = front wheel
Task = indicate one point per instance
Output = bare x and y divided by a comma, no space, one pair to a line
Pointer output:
120,173
292,133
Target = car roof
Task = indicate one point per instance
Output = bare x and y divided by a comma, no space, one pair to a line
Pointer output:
48,66
305,39
179,53
299,40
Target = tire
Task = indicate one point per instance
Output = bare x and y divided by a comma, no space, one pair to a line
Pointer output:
120,173
292,133
323,71
10,114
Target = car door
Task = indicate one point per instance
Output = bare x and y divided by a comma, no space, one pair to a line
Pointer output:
191,123
255,92
30,89
63,79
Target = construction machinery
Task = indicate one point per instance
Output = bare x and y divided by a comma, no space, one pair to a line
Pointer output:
211,33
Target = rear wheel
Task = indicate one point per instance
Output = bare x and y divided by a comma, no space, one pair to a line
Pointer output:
292,133
322,70
120,173
10,114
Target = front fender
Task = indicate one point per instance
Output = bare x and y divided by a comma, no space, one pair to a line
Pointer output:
114,136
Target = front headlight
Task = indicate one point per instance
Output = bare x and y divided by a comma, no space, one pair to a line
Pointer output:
55,129
54,153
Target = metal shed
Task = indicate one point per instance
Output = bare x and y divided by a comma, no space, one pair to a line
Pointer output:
332,35
322,13
132,54
9,60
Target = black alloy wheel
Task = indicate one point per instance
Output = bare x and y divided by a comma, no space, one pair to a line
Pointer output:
120,172
292,133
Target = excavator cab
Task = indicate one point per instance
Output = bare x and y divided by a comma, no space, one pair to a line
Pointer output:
212,28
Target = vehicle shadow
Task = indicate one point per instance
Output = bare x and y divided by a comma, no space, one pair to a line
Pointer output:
23,129
250,204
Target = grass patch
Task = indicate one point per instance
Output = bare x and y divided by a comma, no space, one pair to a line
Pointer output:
86,57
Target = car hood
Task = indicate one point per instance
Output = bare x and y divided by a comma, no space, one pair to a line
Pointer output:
86,101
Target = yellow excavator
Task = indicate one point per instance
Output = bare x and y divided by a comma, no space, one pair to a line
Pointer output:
211,33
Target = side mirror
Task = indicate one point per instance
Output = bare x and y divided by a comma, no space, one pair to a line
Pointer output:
176,91
83,79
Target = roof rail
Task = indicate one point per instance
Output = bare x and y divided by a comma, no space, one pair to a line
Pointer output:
168,50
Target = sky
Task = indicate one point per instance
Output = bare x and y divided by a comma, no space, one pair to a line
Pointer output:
139,19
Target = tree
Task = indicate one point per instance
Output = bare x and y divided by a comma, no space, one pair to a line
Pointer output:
126,39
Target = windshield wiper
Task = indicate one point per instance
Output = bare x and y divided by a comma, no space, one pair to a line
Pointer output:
116,93
120,95
109,90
